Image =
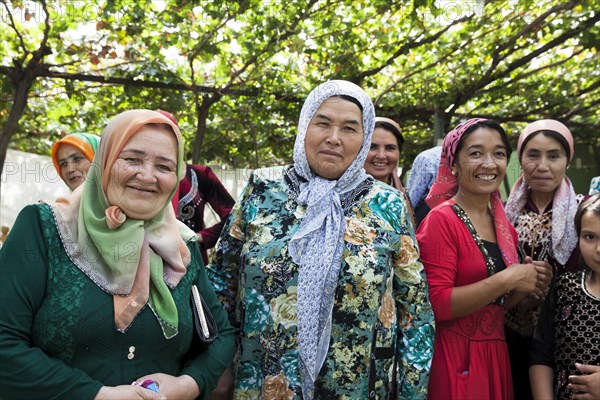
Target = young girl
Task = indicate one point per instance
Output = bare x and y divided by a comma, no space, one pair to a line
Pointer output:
565,352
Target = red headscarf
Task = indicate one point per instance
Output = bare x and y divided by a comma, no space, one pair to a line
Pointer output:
446,186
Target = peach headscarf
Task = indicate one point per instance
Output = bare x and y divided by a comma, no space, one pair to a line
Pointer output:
134,260
546,125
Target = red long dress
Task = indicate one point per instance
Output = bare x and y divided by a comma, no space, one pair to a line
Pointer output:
470,359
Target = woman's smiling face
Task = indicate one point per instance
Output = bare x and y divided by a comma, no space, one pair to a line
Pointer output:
383,155
144,175
481,162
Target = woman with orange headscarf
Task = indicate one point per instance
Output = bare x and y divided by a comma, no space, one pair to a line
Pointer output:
468,248
72,157
96,288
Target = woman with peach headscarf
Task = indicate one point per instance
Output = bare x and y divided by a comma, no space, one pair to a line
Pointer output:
468,248
95,295
72,157
542,207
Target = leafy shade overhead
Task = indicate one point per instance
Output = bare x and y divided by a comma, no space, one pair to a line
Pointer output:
235,75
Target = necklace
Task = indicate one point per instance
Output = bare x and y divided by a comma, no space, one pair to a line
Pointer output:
489,263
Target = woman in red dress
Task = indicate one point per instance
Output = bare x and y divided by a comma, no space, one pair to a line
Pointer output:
466,245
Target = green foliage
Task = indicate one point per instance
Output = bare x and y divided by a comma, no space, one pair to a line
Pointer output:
515,61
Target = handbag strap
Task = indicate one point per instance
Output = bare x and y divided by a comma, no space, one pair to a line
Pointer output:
489,263
380,353
200,310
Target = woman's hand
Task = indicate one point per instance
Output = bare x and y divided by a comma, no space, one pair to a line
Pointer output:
523,282
524,277
532,277
126,392
171,387
529,299
586,386
545,274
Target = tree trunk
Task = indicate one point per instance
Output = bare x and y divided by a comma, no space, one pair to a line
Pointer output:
202,109
596,147
440,124
16,112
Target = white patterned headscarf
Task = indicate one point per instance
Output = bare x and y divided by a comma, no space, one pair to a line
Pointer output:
317,245
564,203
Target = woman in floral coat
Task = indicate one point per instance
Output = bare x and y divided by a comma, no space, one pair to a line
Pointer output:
319,269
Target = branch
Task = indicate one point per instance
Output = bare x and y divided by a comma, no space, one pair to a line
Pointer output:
580,109
470,90
458,47
41,51
106,68
590,88
158,85
14,27
207,35
535,23
414,72
275,38
541,20
198,47
136,83
404,49
497,57
53,93
8,71
535,71
593,127
553,43
550,110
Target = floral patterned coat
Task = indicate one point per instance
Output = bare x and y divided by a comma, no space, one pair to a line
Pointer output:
382,321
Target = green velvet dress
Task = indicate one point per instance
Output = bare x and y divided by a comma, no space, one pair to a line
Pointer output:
57,334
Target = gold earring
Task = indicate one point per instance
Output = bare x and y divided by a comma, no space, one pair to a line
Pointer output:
453,172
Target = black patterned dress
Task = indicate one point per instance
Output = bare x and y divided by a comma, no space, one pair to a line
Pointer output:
568,331
535,240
